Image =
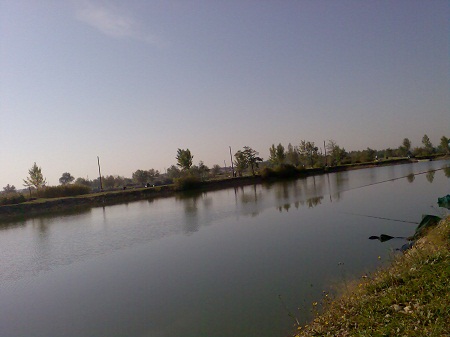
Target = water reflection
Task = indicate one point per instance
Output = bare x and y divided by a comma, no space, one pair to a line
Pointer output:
313,202
248,200
190,206
340,183
410,177
196,206
12,224
120,265
430,176
44,219
447,171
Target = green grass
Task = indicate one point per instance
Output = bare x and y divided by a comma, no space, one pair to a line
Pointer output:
411,297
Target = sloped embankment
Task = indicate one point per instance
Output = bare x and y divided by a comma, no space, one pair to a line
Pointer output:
411,297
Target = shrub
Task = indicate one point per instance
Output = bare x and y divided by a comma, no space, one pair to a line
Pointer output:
286,171
283,171
12,199
187,183
64,191
267,172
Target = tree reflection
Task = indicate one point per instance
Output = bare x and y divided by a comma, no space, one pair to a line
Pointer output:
313,202
286,207
193,202
340,182
447,172
410,177
430,176
4,224
191,221
250,200
42,226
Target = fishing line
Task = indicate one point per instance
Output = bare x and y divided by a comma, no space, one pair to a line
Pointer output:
393,179
379,217
384,181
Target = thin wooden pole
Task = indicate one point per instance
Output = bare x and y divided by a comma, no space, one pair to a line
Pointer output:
231,158
99,174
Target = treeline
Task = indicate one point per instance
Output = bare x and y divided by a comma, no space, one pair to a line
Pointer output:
307,154
283,161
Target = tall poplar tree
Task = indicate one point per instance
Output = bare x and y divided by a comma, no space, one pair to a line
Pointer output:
184,159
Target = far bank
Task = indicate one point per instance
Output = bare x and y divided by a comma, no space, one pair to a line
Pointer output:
63,204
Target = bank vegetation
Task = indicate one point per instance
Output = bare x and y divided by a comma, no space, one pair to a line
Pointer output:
411,297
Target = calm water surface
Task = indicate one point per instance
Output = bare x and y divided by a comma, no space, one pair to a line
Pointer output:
213,264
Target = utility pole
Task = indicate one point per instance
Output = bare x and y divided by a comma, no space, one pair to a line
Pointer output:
99,174
231,158
326,161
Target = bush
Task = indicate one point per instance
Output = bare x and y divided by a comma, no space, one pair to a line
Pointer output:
284,171
287,171
267,173
64,191
187,183
14,199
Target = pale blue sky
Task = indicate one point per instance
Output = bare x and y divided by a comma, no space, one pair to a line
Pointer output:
132,81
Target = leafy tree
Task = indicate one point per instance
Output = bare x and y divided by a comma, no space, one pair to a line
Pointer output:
405,148
203,170
35,177
369,154
292,155
407,145
309,151
388,153
119,181
199,171
427,144
173,172
336,153
277,154
9,189
444,145
153,174
216,169
140,177
83,182
111,181
108,181
252,158
184,159
240,162
66,178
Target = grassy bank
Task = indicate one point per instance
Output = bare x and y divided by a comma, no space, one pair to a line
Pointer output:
411,297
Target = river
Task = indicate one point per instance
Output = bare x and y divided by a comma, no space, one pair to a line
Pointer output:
227,263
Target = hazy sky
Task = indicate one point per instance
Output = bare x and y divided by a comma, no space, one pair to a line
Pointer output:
133,81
